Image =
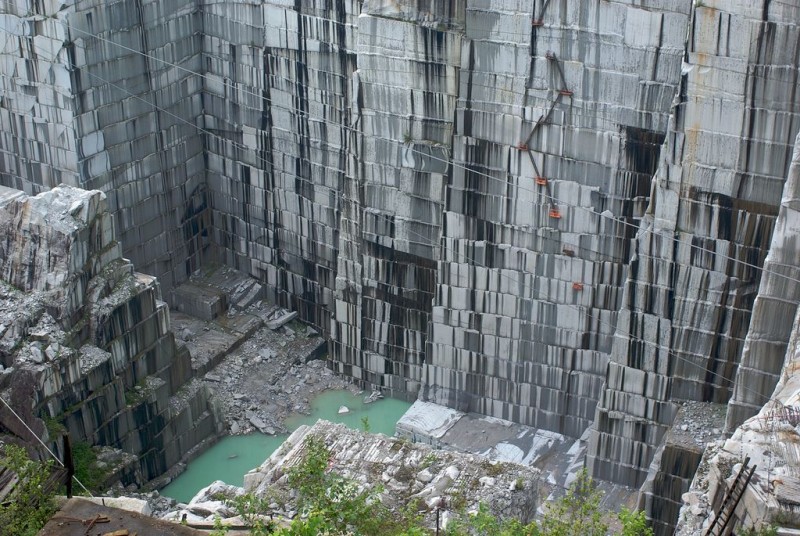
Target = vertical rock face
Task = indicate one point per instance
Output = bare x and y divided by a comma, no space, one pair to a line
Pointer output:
774,309
560,116
97,94
84,341
56,244
770,440
695,268
405,99
39,142
276,107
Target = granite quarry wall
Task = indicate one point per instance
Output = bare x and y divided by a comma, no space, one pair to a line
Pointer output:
551,212
769,438
89,101
559,128
277,111
696,264
85,342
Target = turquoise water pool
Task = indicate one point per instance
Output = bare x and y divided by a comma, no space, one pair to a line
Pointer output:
233,456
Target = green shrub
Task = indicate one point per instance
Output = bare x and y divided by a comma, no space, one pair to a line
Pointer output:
86,470
30,506
331,504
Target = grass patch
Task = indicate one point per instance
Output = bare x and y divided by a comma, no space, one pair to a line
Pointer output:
86,468
493,469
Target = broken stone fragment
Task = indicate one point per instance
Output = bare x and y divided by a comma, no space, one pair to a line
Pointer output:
452,472
210,508
36,354
425,476
281,320
373,396
39,335
186,334
343,409
434,502
258,423
53,350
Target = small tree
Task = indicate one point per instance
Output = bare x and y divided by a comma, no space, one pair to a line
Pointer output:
634,523
333,504
86,470
764,530
484,523
578,512
30,506
252,510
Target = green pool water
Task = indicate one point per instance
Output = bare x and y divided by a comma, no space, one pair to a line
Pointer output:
381,415
233,456
228,460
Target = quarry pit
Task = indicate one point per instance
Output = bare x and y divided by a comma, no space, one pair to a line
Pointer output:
572,219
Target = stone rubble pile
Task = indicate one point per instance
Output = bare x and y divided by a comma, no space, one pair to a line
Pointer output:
406,471
676,461
208,504
268,378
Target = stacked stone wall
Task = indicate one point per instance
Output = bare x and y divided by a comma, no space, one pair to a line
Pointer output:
405,105
278,90
529,281
100,95
86,342
697,261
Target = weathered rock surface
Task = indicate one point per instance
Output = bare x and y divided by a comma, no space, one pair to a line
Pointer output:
529,280
696,262
86,341
99,95
774,309
406,471
676,461
405,94
771,441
